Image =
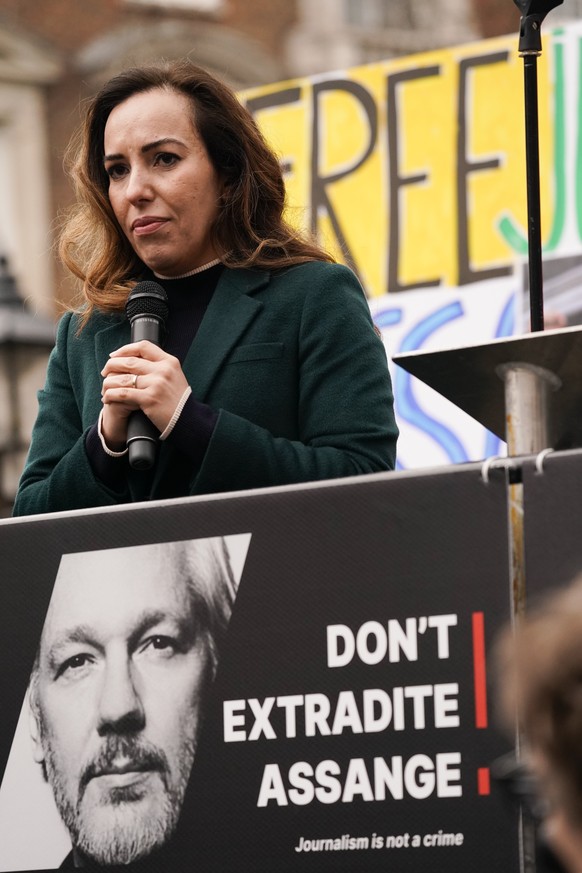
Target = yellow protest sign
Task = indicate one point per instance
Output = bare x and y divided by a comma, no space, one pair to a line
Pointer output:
413,170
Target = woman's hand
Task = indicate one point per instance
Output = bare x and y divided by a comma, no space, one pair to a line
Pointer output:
157,390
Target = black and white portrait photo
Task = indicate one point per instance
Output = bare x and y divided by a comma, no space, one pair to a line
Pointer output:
109,727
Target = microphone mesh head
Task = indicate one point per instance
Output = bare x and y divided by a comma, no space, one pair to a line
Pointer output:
147,298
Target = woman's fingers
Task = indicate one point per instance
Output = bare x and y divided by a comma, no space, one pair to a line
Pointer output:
127,366
142,349
141,375
126,380
123,380
140,358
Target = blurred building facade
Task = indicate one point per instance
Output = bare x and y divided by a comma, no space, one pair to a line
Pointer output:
55,53
335,34
496,17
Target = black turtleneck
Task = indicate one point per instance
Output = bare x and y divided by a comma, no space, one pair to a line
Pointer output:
188,301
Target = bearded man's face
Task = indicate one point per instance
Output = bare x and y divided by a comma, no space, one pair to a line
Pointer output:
116,698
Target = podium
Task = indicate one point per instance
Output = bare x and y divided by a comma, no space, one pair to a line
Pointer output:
525,389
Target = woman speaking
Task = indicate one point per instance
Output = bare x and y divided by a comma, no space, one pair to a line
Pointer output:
269,371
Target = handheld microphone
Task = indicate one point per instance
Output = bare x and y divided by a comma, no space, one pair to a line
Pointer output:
147,310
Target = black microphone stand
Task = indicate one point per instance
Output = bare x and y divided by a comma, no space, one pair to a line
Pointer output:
533,13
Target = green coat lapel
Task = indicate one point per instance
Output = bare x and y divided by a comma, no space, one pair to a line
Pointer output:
229,313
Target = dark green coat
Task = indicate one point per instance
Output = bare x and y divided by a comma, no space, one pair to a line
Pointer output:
290,360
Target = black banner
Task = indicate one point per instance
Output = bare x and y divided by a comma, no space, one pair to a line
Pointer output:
552,513
348,726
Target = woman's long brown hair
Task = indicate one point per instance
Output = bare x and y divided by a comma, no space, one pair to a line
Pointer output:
249,230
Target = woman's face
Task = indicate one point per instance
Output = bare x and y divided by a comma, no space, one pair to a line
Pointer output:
163,188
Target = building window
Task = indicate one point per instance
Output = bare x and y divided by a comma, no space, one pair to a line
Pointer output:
570,11
382,14
24,182
192,5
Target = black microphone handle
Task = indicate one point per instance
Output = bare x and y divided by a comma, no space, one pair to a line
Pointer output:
142,441
146,327
142,435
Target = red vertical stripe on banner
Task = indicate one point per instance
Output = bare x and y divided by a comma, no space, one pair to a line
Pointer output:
479,671
483,781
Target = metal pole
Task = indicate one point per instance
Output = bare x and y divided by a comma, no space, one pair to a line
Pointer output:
534,221
528,431
527,407
533,13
